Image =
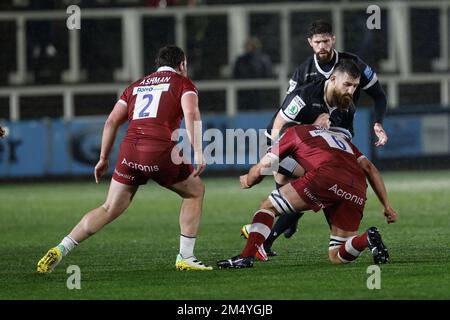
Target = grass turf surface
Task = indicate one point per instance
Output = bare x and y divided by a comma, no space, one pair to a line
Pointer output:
134,257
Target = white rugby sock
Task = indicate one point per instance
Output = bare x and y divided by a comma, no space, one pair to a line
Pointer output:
187,246
66,245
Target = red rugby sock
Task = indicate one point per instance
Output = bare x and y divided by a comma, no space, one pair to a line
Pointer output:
259,231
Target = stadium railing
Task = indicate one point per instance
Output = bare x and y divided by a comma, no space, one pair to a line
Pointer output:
394,72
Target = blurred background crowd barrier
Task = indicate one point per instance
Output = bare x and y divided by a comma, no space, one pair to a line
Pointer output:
57,83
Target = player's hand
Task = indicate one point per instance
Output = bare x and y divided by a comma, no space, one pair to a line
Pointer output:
323,120
200,164
2,132
390,214
243,180
100,169
381,134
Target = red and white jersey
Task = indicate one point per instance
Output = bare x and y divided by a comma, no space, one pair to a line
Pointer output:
154,105
314,147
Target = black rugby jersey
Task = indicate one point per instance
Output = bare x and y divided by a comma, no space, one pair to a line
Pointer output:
305,103
310,70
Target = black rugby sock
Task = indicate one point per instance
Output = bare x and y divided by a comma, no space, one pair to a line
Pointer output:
283,223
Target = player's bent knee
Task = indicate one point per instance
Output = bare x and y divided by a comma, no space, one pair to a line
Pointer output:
267,205
195,189
198,188
113,211
280,203
201,187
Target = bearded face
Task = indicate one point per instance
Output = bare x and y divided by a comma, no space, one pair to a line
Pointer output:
322,45
343,100
344,88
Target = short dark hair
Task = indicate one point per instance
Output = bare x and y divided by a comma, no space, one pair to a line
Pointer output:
319,27
348,66
170,56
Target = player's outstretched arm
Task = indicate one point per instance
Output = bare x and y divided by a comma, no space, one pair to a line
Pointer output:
257,172
376,92
378,186
192,118
277,125
115,119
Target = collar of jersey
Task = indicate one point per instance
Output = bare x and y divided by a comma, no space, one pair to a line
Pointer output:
330,109
326,74
166,68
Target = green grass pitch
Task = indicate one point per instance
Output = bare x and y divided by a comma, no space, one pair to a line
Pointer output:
134,257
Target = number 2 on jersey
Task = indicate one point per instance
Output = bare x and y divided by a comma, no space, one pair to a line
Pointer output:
143,113
147,101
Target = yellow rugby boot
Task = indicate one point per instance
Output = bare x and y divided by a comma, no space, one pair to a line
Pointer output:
245,230
48,262
191,263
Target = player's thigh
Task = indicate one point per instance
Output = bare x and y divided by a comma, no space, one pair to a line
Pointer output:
119,195
287,200
345,217
341,233
192,187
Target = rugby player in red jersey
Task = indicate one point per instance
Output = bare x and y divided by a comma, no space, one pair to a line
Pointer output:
154,106
334,179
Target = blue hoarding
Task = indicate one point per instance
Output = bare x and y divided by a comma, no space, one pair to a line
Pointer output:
57,147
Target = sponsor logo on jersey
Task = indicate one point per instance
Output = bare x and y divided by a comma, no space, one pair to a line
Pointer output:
310,74
158,87
141,167
318,132
295,106
313,198
317,105
368,72
123,175
292,85
293,109
346,195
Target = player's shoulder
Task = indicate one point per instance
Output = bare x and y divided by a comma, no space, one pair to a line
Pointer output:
134,84
143,80
187,80
305,65
313,88
349,55
301,129
366,70
307,91
309,127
